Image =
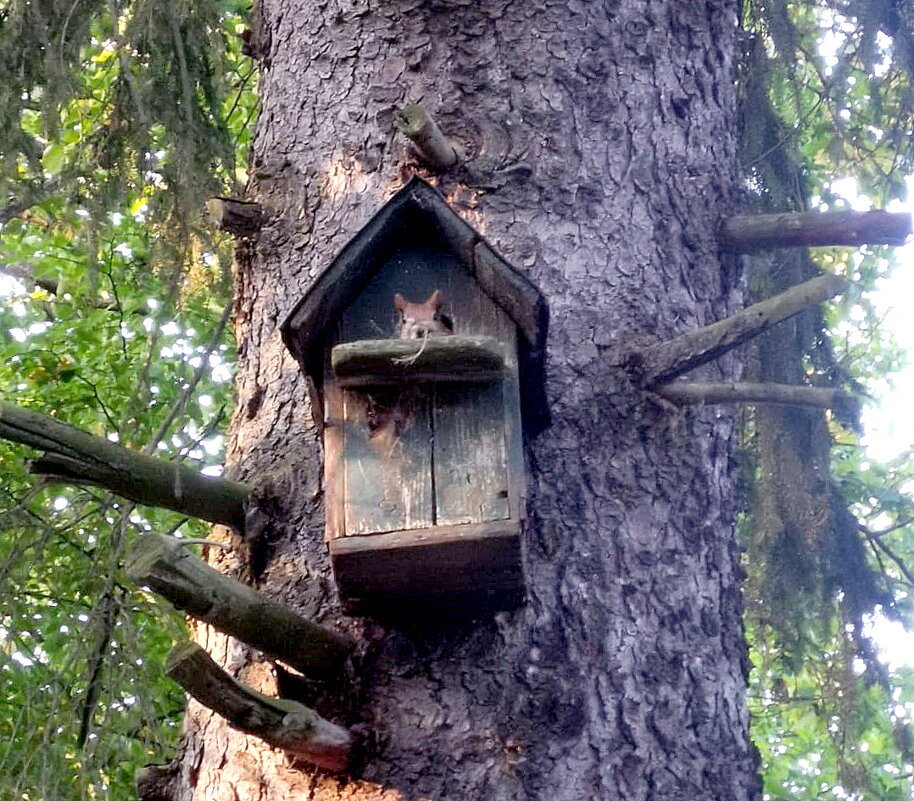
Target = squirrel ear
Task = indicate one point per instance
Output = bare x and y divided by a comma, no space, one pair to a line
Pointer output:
399,301
435,300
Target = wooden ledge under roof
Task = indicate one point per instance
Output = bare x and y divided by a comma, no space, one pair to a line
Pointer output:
457,358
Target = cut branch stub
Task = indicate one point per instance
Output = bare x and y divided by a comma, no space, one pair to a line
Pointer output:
155,782
238,217
282,723
746,233
166,566
434,147
746,392
76,457
671,359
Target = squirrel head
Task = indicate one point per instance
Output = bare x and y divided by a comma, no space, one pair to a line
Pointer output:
421,319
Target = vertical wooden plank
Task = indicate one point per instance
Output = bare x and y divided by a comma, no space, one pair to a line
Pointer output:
334,466
387,456
514,440
469,454
471,483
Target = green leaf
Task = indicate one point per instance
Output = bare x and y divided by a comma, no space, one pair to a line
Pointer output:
53,159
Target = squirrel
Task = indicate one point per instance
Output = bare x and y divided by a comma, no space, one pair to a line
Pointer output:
421,320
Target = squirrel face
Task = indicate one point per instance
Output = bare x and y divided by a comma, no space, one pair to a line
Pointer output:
420,320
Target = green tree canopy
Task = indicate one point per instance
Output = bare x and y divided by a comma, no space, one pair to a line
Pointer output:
118,120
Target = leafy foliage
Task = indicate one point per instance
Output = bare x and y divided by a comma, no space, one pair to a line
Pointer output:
132,114
823,730
124,94
828,107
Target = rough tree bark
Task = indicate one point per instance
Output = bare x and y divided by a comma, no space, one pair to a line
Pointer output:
599,139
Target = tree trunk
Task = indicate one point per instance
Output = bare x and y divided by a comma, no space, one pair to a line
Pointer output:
599,141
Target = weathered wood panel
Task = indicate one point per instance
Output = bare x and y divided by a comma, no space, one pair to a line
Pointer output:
387,456
459,358
514,438
471,480
334,461
445,570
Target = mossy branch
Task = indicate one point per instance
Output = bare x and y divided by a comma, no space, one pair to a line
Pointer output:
282,723
434,147
165,565
26,272
701,392
671,359
76,457
750,232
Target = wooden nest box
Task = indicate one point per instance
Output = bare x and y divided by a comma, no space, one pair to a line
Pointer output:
424,466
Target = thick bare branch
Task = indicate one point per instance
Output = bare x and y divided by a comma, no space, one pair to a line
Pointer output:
671,359
76,457
165,565
435,148
26,272
31,195
700,392
746,233
283,723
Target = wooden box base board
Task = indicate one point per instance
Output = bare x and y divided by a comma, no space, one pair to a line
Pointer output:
450,571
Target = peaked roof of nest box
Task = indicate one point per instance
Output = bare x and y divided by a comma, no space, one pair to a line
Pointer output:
417,206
